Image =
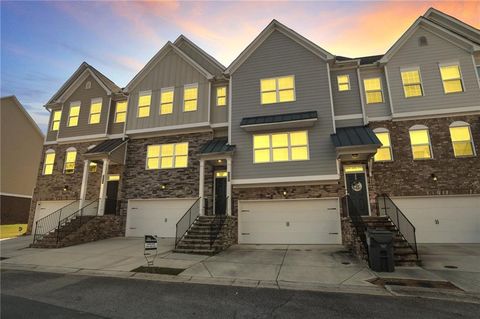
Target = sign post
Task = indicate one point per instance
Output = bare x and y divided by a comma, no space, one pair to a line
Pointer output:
150,249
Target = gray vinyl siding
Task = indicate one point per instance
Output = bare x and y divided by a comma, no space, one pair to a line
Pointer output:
114,128
428,59
218,114
171,71
346,102
376,109
280,56
347,123
51,135
85,96
198,57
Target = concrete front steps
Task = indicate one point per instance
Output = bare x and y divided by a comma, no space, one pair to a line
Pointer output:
208,235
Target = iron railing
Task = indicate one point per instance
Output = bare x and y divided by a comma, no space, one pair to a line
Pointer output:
217,225
74,221
350,210
388,208
186,221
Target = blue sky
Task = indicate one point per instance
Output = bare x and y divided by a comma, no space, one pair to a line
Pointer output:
42,43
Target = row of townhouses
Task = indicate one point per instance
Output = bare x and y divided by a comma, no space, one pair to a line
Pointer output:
287,144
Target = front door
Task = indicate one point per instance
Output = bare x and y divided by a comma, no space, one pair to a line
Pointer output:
220,193
357,189
111,202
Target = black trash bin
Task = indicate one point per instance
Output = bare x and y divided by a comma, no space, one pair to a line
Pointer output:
380,250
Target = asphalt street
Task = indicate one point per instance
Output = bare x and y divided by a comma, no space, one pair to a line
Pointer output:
46,295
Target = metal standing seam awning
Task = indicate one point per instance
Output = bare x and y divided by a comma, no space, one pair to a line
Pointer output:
217,147
113,149
279,121
355,142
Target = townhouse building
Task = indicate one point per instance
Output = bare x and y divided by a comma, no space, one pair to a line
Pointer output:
290,144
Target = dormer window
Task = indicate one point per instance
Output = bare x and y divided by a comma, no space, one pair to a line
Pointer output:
277,90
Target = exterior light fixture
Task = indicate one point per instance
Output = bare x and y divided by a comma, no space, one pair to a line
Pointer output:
434,177
354,156
284,193
65,188
219,161
163,186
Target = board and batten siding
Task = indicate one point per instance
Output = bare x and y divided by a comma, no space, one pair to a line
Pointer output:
346,102
198,57
114,128
218,114
428,59
171,71
277,56
376,109
85,96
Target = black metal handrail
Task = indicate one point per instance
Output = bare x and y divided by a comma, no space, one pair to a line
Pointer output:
81,216
216,226
350,210
387,207
186,221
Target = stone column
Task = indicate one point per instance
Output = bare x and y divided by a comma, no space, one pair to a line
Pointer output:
229,186
83,189
103,187
201,187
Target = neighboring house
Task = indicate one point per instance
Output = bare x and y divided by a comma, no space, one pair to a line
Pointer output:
21,148
276,141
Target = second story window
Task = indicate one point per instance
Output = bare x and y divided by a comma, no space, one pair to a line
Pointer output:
70,158
144,99
276,90
420,142
190,97
73,114
120,111
222,96
167,156
95,111
49,162
412,84
166,100
384,153
57,115
343,82
461,139
373,90
280,147
451,78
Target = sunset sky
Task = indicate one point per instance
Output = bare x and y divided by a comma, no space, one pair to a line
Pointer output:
42,43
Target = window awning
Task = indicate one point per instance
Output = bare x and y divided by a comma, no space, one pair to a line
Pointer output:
355,142
217,146
279,121
113,149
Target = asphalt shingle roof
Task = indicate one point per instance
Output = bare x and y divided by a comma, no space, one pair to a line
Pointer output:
106,146
217,145
354,136
279,118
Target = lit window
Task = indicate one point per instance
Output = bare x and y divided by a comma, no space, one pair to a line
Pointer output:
49,162
451,78
277,90
412,85
95,111
73,114
461,140
121,112
190,96
420,142
167,156
70,161
144,99
92,168
57,115
384,153
280,147
222,96
373,90
166,101
343,82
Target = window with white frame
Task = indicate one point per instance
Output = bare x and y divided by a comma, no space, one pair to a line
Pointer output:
462,141
277,90
73,114
451,78
167,156
190,97
49,162
144,100
373,90
412,83
120,112
70,158
95,111
343,82
221,96
384,153
166,100
57,115
420,142
280,147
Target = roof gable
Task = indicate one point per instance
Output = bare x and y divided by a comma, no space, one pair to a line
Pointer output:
19,105
453,24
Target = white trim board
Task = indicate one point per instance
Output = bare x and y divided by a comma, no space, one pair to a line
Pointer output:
348,117
169,128
271,180
442,112
15,195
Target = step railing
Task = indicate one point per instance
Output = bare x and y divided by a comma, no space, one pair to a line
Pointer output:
216,226
186,221
81,217
387,207
350,210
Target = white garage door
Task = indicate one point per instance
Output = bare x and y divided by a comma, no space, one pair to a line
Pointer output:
45,208
449,219
306,221
155,217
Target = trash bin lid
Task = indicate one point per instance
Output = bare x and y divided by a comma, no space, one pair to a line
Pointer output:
381,236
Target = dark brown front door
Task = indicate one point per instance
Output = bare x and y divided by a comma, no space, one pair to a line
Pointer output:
220,195
111,203
357,189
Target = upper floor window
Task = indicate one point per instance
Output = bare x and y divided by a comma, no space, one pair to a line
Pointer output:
276,90
166,100
167,156
451,78
144,100
49,162
57,115
73,114
190,97
280,147
420,142
222,96
120,111
461,139
412,84
373,90
70,158
95,111
384,153
343,82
